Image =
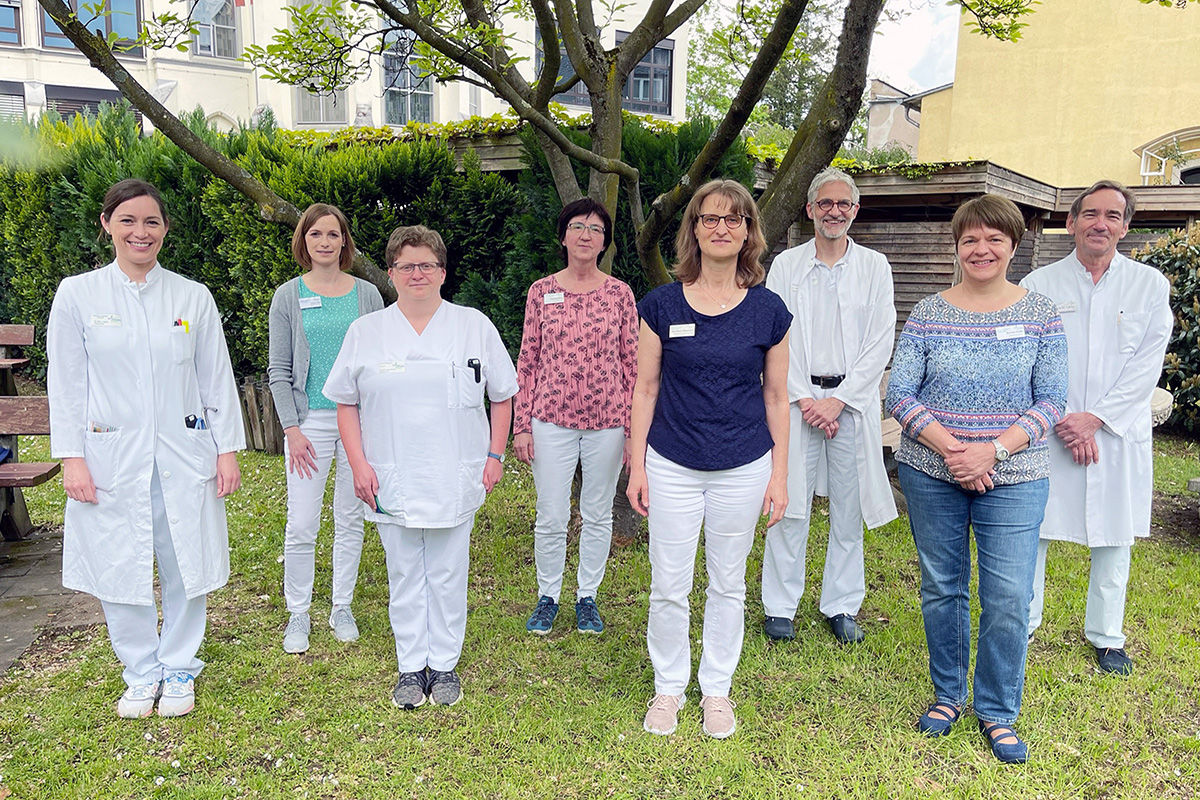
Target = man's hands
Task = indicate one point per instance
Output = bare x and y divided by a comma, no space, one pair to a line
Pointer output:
822,414
1078,432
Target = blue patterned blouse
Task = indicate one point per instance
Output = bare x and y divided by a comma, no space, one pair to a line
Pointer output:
979,373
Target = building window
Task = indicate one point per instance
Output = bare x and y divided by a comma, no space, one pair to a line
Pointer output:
320,109
648,89
120,17
10,23
12,99
578,95
407,94
70,100
218,38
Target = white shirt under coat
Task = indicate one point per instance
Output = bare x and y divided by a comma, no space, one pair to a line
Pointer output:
122,379
866,314
424,428
1117,333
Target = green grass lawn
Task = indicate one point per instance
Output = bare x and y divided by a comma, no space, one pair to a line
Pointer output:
561,716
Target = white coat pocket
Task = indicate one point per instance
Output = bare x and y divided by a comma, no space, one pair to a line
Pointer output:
465,391
203,451
102,454
183,345
1131,329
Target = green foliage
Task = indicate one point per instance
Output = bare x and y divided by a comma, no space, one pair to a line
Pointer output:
1178,256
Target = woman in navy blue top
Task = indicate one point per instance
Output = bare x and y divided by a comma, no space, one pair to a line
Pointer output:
710,437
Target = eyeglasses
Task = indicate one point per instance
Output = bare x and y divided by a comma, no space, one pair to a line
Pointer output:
407,269
842,205
579,227
732,221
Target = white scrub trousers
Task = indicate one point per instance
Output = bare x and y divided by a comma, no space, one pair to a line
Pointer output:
1104,620
843,585
727,503
133,630
427,582
556,451
305,499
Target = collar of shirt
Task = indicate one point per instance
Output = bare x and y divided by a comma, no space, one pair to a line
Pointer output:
152,277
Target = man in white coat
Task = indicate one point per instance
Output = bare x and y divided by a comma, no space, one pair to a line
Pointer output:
1117,318
843,328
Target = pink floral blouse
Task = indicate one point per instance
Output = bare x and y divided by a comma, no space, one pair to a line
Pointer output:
578,359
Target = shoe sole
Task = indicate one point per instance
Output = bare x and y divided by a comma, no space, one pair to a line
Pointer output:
180,713
346,639
723,735
141,715
646,727
447,705
536,632
407,707
591,631
295,651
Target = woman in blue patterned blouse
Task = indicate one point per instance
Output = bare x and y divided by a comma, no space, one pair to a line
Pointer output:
978,380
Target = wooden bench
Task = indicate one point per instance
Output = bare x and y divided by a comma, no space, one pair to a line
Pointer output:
21,416
12,336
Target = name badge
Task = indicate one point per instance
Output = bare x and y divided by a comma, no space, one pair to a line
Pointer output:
391,366
106,320
551,298
310,302
1067,307
680,331
1010,332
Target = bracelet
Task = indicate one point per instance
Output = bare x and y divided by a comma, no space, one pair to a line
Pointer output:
498,456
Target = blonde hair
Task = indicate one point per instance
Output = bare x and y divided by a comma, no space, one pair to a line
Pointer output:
750,271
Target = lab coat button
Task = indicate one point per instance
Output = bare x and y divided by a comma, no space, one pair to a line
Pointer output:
166,474
174,520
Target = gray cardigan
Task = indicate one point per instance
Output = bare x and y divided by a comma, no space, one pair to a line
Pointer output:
287,364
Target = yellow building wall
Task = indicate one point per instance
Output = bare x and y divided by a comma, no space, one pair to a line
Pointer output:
1067,104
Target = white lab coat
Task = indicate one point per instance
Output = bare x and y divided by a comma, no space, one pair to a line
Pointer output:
1117,332
117,360
424,428
868,316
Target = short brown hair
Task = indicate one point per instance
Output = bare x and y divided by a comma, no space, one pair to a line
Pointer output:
750,271
415,236
1130,200
989,211
130,189
309,218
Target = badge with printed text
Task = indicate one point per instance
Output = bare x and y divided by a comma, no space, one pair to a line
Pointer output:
106,320
681,331
1067,307
553,298
1010,332
310,302
391,366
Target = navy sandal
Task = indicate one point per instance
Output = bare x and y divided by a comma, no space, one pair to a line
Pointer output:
938,726
1016,753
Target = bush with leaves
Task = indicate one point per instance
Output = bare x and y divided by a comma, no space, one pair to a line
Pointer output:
1178,256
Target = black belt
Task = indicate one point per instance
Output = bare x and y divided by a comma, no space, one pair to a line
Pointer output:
827,381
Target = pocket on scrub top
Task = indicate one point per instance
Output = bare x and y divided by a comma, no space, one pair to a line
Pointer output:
1131,329
203,451
465,391
183,345
102,455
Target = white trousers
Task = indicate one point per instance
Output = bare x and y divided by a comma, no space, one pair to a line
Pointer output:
427,583
306,496
1104,620
728,503
843,585
133,630
556,451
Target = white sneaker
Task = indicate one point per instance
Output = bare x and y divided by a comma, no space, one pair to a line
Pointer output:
178,695
345,629
295,636
138,701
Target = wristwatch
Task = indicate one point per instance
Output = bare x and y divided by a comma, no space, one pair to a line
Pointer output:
500,456
1002,453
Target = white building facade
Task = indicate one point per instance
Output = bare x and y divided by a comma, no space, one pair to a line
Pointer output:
40,69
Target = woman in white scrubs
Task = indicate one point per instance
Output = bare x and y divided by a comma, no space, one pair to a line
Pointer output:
409,383
145,416
309,318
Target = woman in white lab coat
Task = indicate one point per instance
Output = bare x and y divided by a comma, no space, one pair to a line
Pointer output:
144,414
409,383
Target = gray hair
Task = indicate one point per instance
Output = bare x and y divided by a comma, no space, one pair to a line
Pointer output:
829,175
1099,186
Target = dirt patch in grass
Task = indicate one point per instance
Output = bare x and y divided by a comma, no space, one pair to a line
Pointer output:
1175,519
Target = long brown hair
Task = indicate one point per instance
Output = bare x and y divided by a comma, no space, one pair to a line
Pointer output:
687,248
307,220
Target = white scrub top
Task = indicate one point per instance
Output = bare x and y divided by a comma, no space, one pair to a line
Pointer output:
129,364
420,398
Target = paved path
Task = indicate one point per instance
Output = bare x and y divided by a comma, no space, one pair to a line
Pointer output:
32,596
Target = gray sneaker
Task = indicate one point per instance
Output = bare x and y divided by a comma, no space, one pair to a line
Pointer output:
345,629
295,636
444,687
410,690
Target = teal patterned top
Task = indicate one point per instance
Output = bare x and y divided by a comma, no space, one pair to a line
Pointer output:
325,327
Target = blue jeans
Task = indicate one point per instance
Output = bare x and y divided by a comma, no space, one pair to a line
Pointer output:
1006,522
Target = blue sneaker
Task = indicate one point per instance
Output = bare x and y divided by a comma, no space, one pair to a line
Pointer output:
587,616
542,618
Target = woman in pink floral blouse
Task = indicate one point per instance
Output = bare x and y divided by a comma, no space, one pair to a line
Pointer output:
577,368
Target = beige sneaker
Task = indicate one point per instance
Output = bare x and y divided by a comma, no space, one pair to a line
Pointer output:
718,716
663,714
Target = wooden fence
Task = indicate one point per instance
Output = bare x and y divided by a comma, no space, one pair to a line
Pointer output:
263,431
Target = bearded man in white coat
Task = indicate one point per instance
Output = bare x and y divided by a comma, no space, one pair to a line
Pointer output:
843,329
1117,317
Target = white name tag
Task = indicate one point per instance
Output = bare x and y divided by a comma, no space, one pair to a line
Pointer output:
1067,307
310,302
679,331
1010,332
550,298
391,366
106,320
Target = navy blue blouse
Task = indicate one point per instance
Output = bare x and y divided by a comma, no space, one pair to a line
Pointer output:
710,413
